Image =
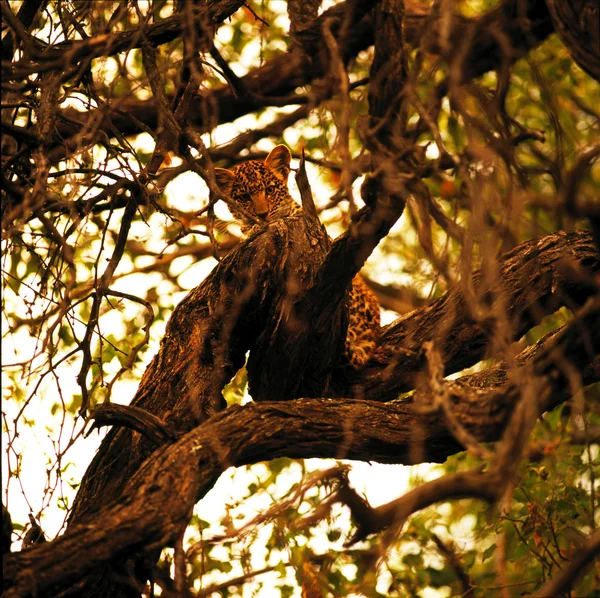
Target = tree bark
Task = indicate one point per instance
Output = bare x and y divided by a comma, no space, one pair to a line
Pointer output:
533,279
577,23
157,501
146,505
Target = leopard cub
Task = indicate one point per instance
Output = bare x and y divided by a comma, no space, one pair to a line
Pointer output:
259,195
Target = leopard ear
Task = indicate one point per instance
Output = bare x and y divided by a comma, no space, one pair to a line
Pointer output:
225,179
278,161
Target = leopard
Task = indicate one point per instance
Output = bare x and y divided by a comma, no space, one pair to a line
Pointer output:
258,194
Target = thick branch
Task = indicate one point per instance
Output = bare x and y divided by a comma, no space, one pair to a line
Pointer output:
182,473
249,302
304,63
204,345
387,74
535,279
577,24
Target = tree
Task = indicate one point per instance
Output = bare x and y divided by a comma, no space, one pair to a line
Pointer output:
477,126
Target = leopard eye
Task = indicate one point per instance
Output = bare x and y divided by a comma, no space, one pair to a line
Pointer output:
270,188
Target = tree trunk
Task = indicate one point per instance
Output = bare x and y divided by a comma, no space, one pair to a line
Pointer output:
147,506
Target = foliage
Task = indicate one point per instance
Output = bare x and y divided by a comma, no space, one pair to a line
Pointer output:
70,341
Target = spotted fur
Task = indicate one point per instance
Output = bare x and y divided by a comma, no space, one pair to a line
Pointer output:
259,194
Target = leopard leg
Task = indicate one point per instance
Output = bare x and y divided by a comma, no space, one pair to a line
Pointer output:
363,324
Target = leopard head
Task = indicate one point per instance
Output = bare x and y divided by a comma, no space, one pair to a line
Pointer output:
259,189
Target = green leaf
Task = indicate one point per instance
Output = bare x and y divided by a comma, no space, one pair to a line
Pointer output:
488,552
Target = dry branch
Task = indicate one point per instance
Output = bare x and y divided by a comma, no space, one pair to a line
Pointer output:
180,474
522,25
61,55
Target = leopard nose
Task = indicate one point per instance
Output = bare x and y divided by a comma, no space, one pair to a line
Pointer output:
260,204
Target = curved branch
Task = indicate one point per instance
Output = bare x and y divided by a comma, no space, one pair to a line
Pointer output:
534,279
181,473
111,414
522,24
577,24
470,484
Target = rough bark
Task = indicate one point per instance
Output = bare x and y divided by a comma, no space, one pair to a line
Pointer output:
280,295
182,386
577,23
267,296
534,279
204,344
179,474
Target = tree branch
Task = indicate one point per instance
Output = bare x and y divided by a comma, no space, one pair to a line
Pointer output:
564,580
304,63
181,473
59,56
110,414
536,277
245,304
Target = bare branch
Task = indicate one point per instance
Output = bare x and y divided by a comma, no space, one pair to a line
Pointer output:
110,414
282,75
